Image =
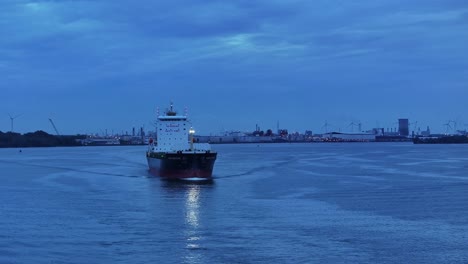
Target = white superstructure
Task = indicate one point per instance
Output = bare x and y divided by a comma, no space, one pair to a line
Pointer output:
174,133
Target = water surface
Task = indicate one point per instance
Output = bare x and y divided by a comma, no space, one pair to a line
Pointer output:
268,203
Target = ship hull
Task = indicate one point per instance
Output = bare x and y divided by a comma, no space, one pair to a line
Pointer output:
456,139
181,165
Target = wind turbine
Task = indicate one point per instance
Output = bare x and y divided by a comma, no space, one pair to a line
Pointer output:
12,119
454,124
448,126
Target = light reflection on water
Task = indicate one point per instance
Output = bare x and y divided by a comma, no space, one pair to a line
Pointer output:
193,194
192,205
193,235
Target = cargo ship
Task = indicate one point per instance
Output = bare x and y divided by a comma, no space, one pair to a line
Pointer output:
448,139
173,154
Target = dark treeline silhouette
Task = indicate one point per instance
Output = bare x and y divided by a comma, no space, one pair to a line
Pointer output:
37,139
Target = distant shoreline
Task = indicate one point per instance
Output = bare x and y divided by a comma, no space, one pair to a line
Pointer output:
43,139
224,143
38,139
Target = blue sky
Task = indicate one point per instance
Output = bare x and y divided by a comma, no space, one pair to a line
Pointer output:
107,64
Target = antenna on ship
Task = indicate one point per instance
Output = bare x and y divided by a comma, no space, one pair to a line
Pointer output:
12,119
171,111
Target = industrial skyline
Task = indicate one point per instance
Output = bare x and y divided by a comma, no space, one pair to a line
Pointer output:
96,65
402,126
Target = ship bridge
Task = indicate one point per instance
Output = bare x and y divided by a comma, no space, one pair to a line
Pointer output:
172,118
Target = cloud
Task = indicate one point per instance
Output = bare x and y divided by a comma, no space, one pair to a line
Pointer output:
265,47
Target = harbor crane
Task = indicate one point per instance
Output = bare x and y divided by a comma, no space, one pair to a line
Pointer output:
55,128
352,124
358,125
326,125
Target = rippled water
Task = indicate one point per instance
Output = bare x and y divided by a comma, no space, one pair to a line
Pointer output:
269,203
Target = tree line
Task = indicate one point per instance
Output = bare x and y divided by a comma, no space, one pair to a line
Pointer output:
37,139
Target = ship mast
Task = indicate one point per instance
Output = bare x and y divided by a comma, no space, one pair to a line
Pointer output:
171,111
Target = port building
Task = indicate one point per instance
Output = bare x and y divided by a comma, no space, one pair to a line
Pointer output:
403,127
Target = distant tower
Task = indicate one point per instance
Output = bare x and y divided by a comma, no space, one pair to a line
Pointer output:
403,127
133,131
